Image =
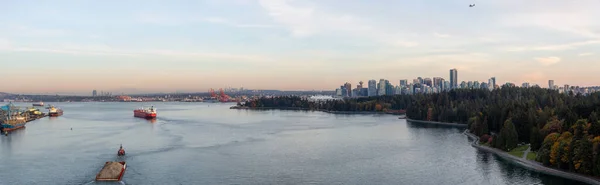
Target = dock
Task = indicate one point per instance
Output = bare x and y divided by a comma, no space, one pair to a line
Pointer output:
14,118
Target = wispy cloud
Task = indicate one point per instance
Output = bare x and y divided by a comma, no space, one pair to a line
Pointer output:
439,35
575,22
27,31
585,54
219,20
4,44
547,61
307,20
175,19
558,47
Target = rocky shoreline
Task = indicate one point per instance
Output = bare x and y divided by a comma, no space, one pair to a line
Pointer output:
437,123
305,109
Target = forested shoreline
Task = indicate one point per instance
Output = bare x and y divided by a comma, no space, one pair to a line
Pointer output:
564,129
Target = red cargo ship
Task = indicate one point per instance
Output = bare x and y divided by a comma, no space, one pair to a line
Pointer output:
145,113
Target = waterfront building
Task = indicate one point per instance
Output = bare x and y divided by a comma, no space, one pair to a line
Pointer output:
372,88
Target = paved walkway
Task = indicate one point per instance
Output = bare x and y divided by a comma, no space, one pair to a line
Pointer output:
526,151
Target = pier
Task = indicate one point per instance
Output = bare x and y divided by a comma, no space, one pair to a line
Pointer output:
13,118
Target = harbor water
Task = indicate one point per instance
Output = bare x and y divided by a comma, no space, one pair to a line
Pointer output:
208,143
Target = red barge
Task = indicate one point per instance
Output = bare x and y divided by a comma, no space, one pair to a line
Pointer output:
148,113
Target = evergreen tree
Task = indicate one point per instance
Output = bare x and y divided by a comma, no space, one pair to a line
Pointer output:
536,139
509,136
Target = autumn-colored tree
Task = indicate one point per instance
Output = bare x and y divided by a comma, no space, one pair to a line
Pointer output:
544,154
554,125
560,152
583,156
596,154
378,107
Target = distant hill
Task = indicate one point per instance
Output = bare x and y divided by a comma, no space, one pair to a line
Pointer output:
3,94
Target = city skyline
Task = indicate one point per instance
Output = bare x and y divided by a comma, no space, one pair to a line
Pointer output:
192,46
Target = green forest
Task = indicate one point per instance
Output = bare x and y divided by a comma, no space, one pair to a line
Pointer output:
564,129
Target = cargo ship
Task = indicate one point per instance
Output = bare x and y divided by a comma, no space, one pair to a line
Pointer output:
12,118
54,112
145,113
40,104
13,124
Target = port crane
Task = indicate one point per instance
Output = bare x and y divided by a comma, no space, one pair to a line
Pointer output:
222,97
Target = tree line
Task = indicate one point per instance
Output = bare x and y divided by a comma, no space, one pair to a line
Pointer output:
564,129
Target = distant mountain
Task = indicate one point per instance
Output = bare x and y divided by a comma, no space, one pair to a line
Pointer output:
3,94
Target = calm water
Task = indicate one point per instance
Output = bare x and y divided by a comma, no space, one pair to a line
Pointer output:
201,143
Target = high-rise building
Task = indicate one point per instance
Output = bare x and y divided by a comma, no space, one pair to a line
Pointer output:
381,87
525,85
372,88
438,82
94,93
428,81
470,84
359,88
389,88
550,84
348,87
476,85
403,83
463,85
446,85
453,78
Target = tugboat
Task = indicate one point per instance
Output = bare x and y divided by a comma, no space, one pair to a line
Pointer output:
145,113
121,151
55,112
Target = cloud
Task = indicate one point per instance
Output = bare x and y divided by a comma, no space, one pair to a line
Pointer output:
4,44
307,20
547,61
585,54
439,35
558,47
575,22
219,20
174,19
36,32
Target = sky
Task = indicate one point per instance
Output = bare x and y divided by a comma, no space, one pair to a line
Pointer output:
135,46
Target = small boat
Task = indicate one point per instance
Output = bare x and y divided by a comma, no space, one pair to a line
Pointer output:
402,117
121,151
40,104
145,113
112,171
54,112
